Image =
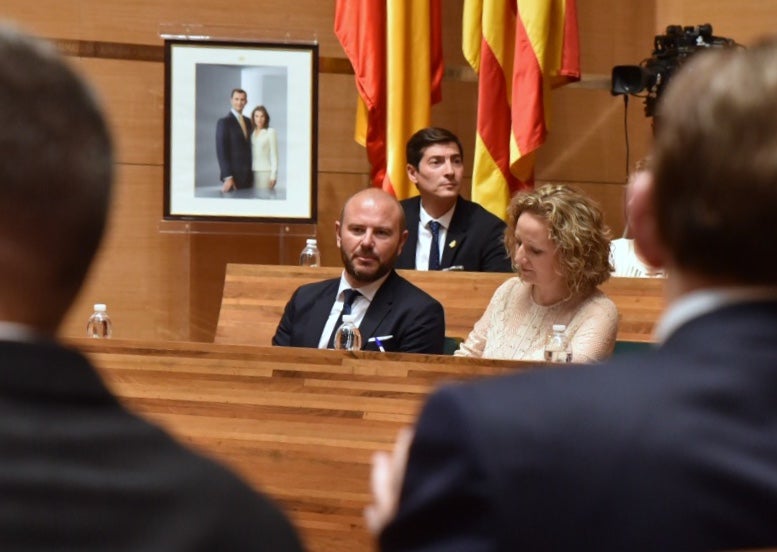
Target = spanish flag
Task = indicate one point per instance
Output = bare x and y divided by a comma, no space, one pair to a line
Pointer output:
520,50
395,48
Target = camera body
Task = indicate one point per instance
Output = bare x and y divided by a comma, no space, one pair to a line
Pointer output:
670,50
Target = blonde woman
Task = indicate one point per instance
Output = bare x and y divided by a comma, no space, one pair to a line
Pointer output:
560,248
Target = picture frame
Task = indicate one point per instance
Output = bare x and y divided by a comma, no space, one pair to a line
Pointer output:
203,138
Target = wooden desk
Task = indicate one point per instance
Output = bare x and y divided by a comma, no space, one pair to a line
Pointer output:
299,424
255,295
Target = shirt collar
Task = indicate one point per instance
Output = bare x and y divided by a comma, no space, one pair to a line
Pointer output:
367,290
698,303
444,220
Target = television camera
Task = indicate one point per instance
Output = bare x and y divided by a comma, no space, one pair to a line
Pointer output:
670,51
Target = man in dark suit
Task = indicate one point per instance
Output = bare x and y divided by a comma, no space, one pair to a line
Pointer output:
233,145
463,235
370,234
672,449
77,470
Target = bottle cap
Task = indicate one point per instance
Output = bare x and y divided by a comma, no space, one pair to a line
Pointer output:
311,241
559,327
99,307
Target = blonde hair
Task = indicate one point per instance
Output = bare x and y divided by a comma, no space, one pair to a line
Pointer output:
577,229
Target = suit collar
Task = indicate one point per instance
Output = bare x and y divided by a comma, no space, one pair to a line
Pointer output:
457,233
319,313
412,208
380,306
699,303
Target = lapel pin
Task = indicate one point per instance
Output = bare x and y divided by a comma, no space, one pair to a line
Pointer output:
452,244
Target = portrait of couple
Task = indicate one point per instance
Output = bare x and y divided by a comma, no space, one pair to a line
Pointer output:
241,137
247,149
240,134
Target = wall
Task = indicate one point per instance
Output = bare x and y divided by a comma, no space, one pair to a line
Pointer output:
164,281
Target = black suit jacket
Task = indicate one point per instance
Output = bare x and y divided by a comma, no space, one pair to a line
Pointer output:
674,449
79,472
414,318
475,238
233,150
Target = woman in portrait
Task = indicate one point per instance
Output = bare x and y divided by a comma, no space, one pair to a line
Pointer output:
264,150
560,248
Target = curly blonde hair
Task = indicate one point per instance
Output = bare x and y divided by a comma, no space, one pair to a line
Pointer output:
577,229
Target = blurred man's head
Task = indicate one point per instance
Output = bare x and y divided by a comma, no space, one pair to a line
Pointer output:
370,234
711,206
56,171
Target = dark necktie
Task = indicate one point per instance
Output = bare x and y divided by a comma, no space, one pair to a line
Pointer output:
349,297
434,250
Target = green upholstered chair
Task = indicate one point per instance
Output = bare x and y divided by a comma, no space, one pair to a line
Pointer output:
626,347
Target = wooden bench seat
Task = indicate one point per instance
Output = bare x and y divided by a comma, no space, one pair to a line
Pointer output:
255,295
299,424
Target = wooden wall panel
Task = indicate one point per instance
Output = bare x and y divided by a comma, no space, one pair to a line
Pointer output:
132,93
50,18
140,272
614,32
143,21
337,149
587,141
744,21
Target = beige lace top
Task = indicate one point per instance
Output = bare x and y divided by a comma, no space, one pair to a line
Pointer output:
514,327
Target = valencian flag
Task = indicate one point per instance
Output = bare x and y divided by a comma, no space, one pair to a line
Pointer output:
395,48
520,50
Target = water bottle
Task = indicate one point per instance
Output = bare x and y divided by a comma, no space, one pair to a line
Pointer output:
99,324
557,347
310,256
348,336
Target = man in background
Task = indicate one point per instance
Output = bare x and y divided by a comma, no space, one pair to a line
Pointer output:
77,470
370,234
446,231
625,260
233,145
672,449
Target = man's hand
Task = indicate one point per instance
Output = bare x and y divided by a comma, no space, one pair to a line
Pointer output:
388,471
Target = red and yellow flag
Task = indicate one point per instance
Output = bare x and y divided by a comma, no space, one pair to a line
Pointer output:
396,52
520,49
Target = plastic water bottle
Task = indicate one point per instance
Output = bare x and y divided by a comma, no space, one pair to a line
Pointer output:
310,255
557,347
348,336
99,324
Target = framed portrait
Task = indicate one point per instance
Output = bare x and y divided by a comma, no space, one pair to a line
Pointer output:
240,131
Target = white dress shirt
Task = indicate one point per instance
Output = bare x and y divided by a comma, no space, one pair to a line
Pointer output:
358,309
425,236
